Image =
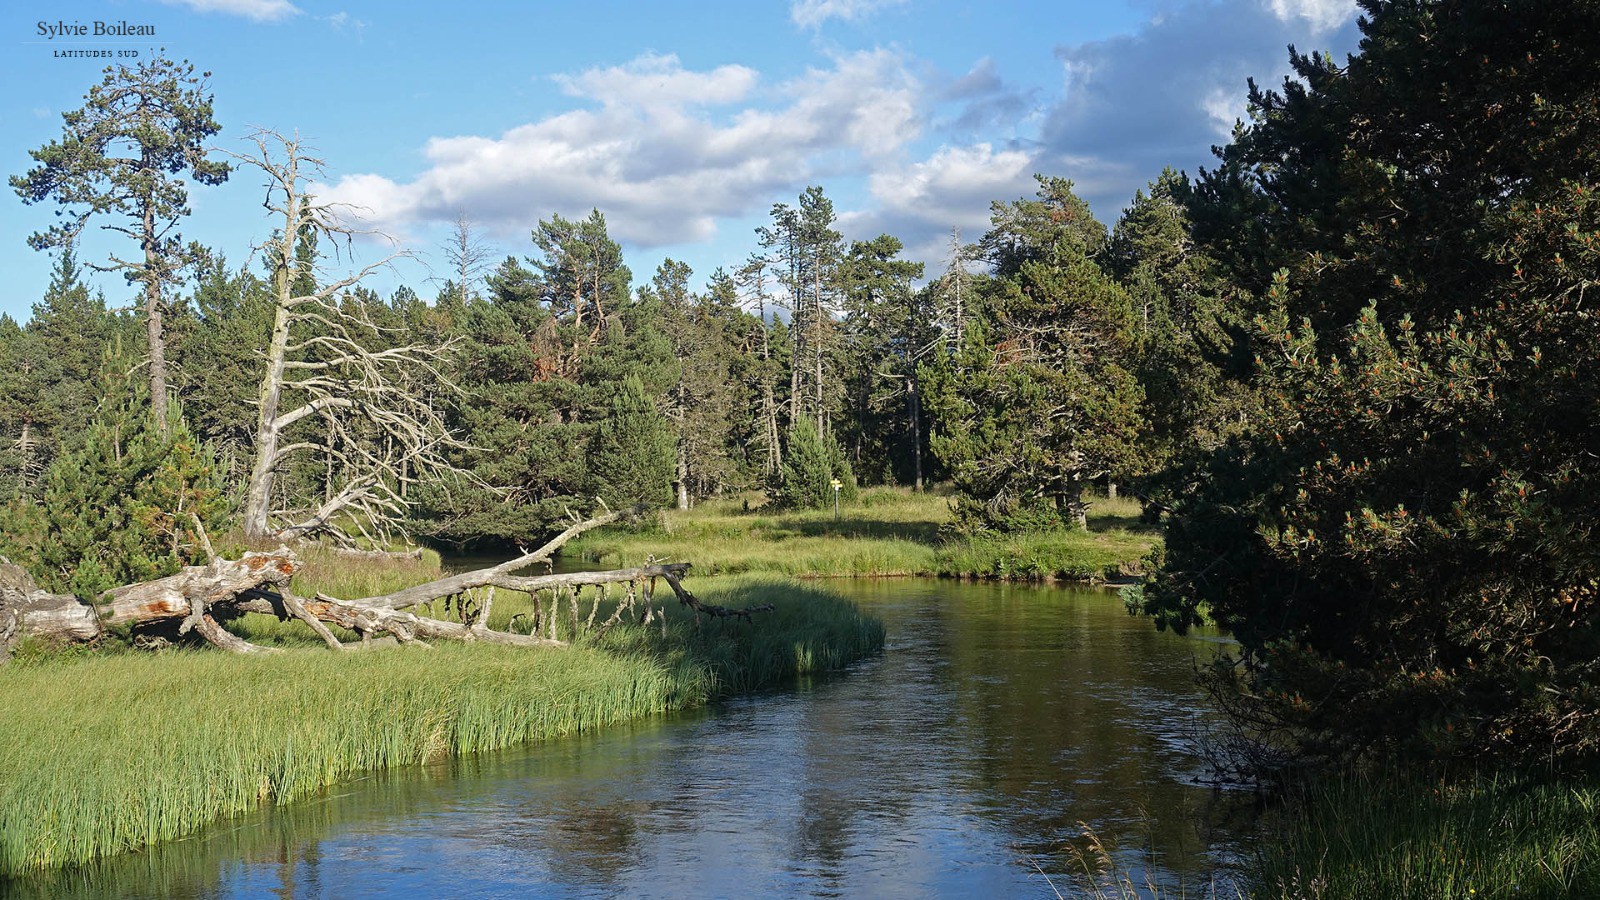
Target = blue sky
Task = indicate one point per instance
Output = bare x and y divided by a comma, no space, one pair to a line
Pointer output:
683,123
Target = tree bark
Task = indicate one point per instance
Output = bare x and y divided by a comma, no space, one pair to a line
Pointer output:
153,325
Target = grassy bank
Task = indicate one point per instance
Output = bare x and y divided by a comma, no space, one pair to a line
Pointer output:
115,752
888,531
1489,837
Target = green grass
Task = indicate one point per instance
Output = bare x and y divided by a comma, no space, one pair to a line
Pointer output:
117,752
888,531
1035,556
1489,837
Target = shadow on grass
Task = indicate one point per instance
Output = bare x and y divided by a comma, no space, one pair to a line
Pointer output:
919,532
1134,524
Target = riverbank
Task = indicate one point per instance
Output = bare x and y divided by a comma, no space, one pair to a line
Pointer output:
1411,838
887,531
110,752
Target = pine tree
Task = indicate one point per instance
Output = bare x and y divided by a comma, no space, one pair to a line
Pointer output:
1041,399
118,154
1403,540
122,508
811,463
633,455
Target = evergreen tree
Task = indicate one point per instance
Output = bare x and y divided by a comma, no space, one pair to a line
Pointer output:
121,509
888,328
1040,400
1403,541
118,154
633,455
811,463
1191,326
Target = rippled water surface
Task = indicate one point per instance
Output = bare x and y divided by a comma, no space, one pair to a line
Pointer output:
959,763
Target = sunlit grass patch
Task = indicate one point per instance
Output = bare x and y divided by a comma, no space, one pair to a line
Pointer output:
887,531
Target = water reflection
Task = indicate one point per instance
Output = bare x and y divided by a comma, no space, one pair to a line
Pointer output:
997,719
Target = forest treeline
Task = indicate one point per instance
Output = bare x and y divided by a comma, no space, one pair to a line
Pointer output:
1351,368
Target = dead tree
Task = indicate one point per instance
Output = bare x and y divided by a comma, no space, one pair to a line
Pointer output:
201,598
380,427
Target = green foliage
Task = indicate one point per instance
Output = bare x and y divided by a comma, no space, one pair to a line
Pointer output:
633,454
119,509
1403,539
1039,400
811,463
1190,331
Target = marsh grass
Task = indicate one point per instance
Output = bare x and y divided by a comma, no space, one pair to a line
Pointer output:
888,531
1397,837
109,754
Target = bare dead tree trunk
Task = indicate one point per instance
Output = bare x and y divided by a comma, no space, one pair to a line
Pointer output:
682,481
332,372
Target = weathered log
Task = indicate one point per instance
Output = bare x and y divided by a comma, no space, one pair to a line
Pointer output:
172,597
258,582
32,612
28,611
380,555
464,581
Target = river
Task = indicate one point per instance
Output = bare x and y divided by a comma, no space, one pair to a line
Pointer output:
960,762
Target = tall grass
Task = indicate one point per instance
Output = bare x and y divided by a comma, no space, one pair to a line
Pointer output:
1400,837
114,753
1092,556
888,531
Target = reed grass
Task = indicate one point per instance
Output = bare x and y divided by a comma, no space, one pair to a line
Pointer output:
887,531
109,754
1494,836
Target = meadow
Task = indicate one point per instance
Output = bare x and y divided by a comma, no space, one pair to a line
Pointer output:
886,531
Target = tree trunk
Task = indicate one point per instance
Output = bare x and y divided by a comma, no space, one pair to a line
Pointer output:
682,482
153,325
258,582
258,494
915,402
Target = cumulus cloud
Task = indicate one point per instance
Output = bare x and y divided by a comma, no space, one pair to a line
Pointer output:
661,166
812,13
953,188
1162,96
260,10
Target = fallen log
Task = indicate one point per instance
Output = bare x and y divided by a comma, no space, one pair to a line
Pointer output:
200,598
193,591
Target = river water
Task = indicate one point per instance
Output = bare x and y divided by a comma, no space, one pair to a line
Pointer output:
963,761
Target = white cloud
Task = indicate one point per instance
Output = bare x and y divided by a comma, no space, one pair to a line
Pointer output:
659,165
953,188
812,13
1322,15
260,10
653,79
1226,107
